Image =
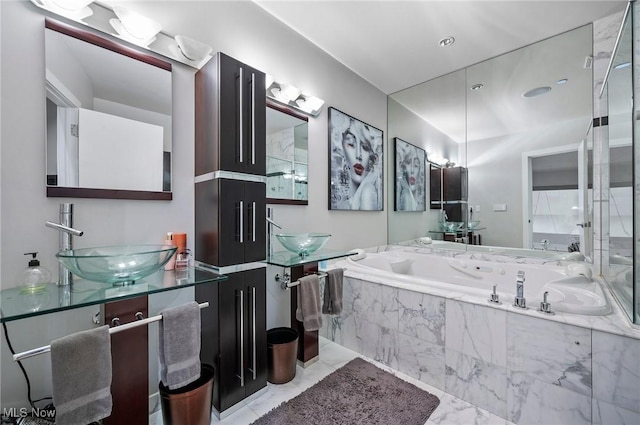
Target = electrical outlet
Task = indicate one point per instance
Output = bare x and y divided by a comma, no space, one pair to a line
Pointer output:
499,207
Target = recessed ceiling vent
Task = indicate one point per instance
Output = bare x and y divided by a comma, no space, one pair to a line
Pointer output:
588,62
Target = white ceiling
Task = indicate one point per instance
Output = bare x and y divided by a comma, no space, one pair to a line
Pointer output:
394,44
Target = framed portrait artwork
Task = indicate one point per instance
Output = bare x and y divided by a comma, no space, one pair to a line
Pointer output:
410,178
356,166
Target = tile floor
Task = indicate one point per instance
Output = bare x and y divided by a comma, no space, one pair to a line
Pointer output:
451,410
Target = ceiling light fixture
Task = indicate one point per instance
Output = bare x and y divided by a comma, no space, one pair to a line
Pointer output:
537,91
477,86
292,97
447,41
622,65
562,81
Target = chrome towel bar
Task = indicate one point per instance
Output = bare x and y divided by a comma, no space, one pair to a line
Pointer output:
47,348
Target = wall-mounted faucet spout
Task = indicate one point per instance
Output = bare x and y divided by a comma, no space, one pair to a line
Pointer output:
66,242
270,231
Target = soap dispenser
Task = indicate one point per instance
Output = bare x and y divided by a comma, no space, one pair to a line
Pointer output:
35,275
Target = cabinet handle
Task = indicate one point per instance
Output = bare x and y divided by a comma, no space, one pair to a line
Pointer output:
253,301
253,118
241,216
253,229
241,356
240,116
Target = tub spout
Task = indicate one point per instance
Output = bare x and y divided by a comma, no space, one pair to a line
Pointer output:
519,300
66,242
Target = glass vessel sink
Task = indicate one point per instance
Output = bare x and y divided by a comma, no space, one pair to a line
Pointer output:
451,226
303,244
118,265
473,224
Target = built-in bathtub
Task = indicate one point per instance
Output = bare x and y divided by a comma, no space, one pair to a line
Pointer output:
570,288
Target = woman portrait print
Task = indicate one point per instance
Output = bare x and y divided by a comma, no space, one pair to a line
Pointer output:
410,177
356,164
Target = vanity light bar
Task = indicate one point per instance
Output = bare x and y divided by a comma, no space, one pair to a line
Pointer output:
293,97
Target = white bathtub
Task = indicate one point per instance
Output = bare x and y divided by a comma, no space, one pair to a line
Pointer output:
571,290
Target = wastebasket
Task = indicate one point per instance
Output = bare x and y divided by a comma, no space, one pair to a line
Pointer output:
282,353
191,404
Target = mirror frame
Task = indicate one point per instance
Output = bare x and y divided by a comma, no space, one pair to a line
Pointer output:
97,40
288,111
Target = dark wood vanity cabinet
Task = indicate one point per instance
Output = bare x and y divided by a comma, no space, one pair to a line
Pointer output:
230,222
234,335
230,117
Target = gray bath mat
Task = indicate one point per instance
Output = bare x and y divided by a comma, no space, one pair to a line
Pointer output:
357,393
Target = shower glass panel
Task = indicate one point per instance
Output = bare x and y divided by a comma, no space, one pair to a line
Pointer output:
620,273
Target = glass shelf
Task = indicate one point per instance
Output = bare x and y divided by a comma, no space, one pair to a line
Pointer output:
289,259
19,303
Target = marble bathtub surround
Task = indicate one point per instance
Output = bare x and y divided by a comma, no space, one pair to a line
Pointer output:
617,322
519,365
562,352
616,369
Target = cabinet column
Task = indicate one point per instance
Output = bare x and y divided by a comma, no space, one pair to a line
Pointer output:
307,340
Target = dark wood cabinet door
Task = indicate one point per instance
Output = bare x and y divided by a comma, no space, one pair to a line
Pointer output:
256,344
232,222
232,102
255,241
232,331
254,121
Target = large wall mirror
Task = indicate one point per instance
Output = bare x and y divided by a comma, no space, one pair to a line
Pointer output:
287,156
518,124
619,90
109,108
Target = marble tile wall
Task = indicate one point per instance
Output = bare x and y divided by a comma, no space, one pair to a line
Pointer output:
525,369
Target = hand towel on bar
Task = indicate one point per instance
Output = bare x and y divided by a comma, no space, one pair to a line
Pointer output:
332,303
81,376
308,311
179,345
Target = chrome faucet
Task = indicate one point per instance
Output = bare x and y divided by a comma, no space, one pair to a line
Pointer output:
519,301
270,223
66,242
545,244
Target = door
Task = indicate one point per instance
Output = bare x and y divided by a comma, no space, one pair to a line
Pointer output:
232,303
255,357
255,219
254,121
230,143
233,222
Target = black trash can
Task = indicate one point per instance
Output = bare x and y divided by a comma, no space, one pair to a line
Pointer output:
282,353
191,404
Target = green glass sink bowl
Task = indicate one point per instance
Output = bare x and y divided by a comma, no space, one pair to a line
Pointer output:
303,244
123,264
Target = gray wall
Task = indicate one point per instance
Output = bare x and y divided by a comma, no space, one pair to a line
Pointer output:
230,27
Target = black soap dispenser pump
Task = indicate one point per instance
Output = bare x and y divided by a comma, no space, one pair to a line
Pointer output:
35,275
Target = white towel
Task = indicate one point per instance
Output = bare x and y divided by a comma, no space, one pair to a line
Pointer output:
308,311
179,350
81,376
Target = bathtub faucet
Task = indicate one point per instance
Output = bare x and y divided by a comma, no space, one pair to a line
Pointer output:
519,301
